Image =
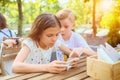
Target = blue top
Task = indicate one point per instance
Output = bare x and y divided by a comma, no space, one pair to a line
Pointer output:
6,33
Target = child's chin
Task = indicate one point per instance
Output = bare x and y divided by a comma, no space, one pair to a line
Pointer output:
51,45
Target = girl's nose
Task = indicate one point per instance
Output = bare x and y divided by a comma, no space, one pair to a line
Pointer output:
62,29
54,38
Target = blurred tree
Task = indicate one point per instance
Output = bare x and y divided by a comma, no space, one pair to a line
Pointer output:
9,9
86,0
20,17
27,10
81,10
111,21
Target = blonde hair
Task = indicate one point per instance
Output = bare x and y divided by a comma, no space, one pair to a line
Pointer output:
65,13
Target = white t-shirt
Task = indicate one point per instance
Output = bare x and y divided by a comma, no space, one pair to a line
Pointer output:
38,55
6,31
76,40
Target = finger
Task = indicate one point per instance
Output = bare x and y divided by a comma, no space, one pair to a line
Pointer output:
71,54
60,65
74,54
60,62
58,70
61,69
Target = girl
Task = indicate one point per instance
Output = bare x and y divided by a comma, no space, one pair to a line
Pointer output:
37,48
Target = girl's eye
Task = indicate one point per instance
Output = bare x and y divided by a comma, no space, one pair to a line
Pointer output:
49,35
57,34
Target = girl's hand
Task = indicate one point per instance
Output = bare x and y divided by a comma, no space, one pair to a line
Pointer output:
56,66
72,62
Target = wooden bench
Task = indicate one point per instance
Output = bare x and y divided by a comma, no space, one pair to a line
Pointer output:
7,54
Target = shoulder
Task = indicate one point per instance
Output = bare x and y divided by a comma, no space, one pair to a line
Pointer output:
78,38
5,29
29,42
13,33
76,35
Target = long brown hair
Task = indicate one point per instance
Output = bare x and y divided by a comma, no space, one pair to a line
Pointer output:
41,23
3,23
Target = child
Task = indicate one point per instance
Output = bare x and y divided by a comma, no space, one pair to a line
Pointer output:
4,31
70,38
38,46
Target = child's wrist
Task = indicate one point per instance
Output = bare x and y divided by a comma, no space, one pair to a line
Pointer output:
45,67
17,41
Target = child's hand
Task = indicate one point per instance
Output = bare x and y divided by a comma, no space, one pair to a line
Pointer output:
9,42
56,66
76,52
72,62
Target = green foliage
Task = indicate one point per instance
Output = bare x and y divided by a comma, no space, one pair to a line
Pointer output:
30,12
30,8
114,35
81,10
112,22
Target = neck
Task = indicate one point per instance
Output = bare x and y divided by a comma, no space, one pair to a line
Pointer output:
67,37
43,46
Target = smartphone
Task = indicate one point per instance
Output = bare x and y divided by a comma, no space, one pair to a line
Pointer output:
69,61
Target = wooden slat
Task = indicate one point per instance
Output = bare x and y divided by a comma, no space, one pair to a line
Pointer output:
26,76
11,76
10,50
89,78
78,73
7,54
42,77
67,74
48,75
11,57
79,76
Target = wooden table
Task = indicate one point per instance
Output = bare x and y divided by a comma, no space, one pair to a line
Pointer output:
72,74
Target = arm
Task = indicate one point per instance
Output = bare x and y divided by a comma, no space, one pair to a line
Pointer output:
70,52
66,50
88,51
20,66
82,44
10,42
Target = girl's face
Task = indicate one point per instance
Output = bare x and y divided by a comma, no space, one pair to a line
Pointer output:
49,37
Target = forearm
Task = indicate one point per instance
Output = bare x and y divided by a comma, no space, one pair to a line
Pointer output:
27,68
88,51
66,50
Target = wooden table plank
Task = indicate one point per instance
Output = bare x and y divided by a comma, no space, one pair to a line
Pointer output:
74,74
79,76
89,78
11,76
41,77
48,75
26,76
67,74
